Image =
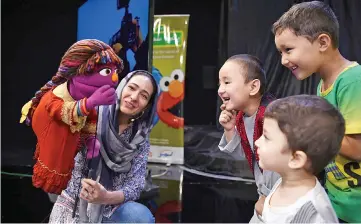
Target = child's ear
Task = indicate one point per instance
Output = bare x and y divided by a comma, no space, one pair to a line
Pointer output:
324,42
298,160
255,86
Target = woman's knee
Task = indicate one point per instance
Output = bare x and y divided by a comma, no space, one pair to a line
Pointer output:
133,212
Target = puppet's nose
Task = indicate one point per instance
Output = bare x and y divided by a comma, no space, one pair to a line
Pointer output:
175,89
115,77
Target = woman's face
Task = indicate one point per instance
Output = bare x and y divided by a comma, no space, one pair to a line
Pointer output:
136,95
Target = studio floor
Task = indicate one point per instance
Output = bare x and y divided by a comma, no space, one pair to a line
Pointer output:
210,187
184,197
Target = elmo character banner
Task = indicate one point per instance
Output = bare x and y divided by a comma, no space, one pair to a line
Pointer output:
169,62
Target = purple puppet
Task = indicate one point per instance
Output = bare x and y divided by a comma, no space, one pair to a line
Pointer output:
63,112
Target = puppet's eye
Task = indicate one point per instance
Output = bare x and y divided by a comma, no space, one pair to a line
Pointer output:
164,83
177,75
105,71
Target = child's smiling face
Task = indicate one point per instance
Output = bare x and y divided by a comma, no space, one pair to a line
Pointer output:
233,89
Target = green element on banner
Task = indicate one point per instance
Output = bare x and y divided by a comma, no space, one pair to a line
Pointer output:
170,136
162,39
169,57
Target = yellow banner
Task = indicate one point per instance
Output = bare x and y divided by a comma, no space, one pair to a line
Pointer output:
169,62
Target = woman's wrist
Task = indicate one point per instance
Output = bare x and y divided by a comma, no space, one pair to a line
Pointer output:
114,197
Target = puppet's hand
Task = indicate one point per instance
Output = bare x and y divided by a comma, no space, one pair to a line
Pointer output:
105,95
93,147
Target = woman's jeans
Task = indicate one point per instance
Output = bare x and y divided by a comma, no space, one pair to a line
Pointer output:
131,212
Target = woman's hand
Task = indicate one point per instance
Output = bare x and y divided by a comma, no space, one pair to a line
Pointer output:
93,192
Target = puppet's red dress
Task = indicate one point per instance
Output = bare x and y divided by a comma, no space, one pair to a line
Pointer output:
60,133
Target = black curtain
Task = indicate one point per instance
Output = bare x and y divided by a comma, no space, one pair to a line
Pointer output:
249,32
34,36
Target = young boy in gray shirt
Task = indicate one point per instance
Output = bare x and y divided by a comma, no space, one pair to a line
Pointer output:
242,90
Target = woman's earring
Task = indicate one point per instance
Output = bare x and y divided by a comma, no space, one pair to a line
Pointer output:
133,119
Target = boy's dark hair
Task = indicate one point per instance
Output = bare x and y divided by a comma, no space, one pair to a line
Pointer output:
254,69
309,19
312,125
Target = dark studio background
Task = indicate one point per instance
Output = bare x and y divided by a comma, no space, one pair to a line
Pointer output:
249,31
36,33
